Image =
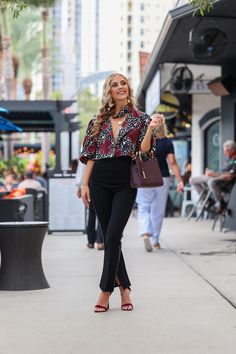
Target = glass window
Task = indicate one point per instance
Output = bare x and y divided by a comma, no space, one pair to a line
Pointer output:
129,20
141,18
129,44
142,6
142,31
212,146
130,6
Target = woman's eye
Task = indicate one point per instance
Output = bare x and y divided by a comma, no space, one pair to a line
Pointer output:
114,84
123,83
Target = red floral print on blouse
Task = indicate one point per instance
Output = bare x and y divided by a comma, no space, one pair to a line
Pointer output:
130,136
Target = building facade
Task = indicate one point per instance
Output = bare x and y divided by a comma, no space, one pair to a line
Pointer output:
75,37
140,25
95,37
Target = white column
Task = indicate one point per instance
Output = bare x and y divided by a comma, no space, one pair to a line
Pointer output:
45,145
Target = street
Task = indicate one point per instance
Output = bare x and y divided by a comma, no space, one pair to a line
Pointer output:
184,297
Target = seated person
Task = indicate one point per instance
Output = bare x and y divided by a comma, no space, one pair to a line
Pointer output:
218,180
10,181
30,182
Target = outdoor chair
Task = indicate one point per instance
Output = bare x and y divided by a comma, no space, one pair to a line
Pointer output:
187,203
12,210
226,191
40,204
198,209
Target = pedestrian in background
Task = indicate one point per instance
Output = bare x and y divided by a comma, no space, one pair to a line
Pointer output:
112,138
93,230
152,201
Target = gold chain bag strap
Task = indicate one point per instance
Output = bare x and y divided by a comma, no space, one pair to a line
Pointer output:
145,171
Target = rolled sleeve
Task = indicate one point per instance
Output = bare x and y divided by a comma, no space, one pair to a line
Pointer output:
145,122
89,145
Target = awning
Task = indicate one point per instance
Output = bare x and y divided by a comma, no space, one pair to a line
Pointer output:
42,116
7,125
173,43
37,116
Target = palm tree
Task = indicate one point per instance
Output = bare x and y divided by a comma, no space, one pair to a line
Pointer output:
1,60
203,6
7,68
27,29
16,7
45,60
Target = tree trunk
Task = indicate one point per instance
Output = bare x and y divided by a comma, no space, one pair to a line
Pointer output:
27,84
1,60
8,70
16,63
45,59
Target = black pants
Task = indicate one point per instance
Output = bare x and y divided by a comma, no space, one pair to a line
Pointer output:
113,199
94,234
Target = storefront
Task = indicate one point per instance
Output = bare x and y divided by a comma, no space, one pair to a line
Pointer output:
180,36
207,43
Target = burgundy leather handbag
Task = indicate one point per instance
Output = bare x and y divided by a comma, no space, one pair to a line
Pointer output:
145,171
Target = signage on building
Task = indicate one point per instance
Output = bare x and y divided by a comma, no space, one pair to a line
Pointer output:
199,86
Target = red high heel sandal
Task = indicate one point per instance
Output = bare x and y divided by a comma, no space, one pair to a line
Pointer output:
100,308
127,307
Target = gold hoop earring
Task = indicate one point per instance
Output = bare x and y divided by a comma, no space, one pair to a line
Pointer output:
128,100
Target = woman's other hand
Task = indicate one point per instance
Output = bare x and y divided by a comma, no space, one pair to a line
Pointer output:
85,195
156,120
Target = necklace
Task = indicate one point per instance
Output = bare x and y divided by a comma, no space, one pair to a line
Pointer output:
119,122
120,115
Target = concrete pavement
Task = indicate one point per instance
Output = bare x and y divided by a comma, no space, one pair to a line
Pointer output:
184,297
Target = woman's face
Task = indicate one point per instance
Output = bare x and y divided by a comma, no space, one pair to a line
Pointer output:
119,88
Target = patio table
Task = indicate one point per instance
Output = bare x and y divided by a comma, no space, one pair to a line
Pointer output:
21,248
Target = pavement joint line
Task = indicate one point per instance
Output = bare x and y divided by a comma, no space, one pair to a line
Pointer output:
202,276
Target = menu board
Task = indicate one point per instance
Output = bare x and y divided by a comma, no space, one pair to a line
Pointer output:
66,211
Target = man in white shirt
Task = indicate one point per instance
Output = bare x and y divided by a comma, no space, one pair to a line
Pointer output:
30,182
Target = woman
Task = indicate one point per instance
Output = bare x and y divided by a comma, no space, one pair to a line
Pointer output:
111,139
152,201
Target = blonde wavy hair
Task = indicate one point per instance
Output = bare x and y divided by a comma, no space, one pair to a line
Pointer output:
162,130
107,106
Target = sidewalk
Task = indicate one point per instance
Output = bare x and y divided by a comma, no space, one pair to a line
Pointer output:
184,297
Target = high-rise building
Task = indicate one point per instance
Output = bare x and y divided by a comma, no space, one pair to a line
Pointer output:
94,37
77,36
140,24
